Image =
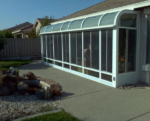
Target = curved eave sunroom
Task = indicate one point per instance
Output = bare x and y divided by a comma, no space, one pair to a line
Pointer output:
91,47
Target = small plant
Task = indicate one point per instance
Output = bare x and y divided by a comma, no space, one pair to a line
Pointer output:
43,94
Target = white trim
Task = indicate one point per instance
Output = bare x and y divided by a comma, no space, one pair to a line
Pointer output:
81,29
83,22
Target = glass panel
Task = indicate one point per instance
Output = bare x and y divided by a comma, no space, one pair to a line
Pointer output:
128,20
75,24
91,21
122,49
108,18
76,68
48,46
131,50
57,27
59,47
65,26
43,29
49,28
106,77
87,47
103,51
73,48
44,45
66,47
109,51
67,66
91,73
79,48
95,50
50,61
58,64
55,46
148,39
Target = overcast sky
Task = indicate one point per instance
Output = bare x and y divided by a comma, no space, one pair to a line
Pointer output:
15,12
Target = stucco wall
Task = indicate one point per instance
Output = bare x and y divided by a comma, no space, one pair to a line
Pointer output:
37,28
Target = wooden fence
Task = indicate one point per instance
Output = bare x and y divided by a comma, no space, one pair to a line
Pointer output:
17,47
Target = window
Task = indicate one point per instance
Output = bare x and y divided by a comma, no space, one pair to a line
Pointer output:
44,45
50,46
66,47
127,50
76,48
148,40
106,50
58,46
128,20
91,49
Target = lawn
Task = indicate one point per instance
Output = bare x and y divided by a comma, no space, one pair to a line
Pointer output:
60,116
15,63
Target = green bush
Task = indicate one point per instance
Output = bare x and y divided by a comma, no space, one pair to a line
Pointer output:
2,42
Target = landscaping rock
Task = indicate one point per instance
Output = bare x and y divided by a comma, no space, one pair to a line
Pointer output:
22,88
54,86
4,91
11,87
30,76
11,78
32,83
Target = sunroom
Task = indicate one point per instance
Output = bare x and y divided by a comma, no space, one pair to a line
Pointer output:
102,48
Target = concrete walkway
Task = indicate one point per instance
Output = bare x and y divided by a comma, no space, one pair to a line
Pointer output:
91,101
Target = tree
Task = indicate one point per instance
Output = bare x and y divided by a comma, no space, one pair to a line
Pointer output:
47,21
32,34
6,34
2,42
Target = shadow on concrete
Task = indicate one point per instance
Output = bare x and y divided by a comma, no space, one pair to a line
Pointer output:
66,94
34,66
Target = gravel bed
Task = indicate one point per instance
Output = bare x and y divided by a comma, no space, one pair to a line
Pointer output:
16,105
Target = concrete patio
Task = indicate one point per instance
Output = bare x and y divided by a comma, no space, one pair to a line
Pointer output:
91,101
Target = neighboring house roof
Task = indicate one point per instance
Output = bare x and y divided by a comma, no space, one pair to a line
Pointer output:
105,5
20,26
24,29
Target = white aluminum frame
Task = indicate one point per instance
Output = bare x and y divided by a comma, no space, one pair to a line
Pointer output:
115,33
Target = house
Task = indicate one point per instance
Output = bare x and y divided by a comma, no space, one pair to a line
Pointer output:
21,30
108,42
37,25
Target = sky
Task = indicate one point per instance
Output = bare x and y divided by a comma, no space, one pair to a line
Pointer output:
15,12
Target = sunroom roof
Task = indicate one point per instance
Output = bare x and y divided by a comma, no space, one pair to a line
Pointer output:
98,21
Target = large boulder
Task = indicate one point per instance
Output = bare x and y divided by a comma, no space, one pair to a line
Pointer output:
11,87
30,76
54,86
10,78
4,91
32,83
22,88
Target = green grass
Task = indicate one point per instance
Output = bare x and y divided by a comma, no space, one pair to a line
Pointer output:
60,116
15,63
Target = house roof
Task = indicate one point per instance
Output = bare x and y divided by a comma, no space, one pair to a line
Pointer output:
20,26
105,5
